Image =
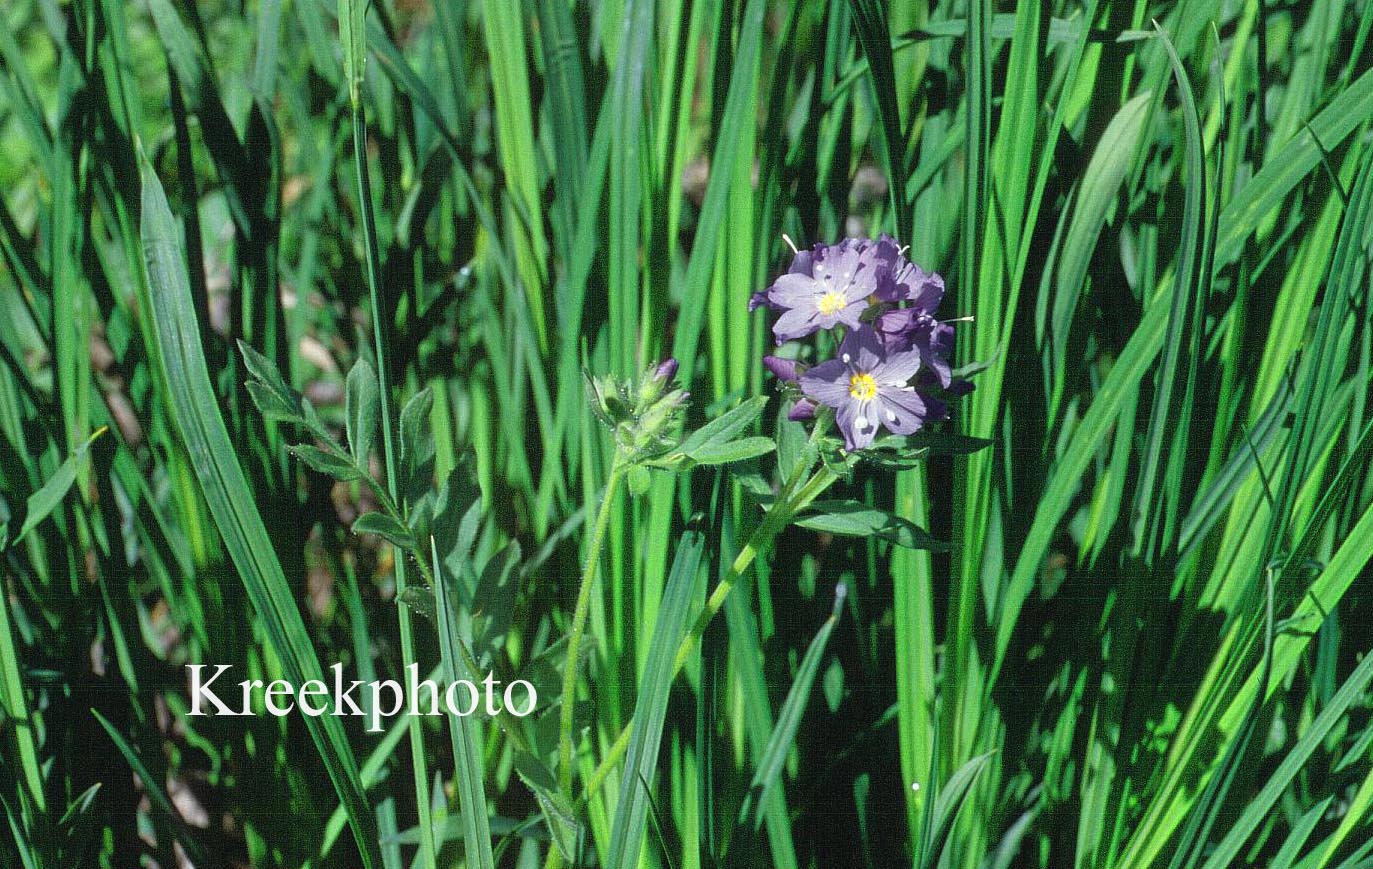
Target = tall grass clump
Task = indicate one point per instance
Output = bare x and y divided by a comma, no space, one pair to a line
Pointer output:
927,434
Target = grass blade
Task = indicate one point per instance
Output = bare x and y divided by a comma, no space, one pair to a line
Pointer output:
650,710
467,743
774,755
181,362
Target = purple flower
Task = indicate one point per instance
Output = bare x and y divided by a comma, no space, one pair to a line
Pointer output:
825,287
869,387
907,282
916,329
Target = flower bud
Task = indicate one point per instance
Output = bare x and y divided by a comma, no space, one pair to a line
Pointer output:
644,414
786,370
803,409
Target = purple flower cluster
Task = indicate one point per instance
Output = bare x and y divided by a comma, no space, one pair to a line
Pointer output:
893,357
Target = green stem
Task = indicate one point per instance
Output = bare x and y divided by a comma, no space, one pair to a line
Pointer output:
785,508
578,629
428,850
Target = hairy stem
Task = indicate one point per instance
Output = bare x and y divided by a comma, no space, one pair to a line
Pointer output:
578,628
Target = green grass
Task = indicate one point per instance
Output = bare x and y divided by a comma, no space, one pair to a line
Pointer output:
296,301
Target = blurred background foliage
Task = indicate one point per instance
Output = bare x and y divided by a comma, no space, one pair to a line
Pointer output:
1147,644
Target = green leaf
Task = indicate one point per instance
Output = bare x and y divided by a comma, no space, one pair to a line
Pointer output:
453,826
946,443
157,794
420,599
852,519
326,462
453,516
417,445
263,370
1099,190
493,601
723,428
275,400
558,815
833,684
1260,807
384,526
732,451
271,405
639,480
1282,171
362,409
352,32
731,146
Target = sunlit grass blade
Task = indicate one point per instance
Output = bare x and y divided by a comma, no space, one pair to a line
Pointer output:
953,794
1257,810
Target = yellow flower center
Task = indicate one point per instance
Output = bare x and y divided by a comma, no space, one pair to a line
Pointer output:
832,302
863,387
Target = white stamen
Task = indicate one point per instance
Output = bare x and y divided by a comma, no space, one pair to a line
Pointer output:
846,358
791,244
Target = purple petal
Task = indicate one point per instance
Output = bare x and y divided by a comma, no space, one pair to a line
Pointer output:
850,315
827,383
847,268
862,349
795,323
935,408
793,290
938,369
667,369
903,410
941,339
855,419
897,368
928,293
